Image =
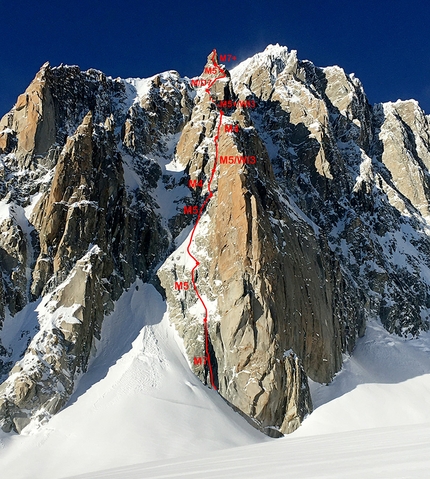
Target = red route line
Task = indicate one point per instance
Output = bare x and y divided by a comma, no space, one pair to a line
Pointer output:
207,199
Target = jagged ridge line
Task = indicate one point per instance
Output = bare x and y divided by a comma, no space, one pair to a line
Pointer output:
207,199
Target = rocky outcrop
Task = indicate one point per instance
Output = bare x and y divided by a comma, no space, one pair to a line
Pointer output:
83,234
32,122
41,383
272,287
326,227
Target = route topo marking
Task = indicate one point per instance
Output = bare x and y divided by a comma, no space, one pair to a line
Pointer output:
209,195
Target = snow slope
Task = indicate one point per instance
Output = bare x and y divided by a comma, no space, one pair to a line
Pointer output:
397,452
372,421
386,382
146,415
138,402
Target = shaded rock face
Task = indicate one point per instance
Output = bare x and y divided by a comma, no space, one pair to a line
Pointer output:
328,227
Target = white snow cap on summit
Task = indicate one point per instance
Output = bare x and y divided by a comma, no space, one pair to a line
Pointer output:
276,50
281,56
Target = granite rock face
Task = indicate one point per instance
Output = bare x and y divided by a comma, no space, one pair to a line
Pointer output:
324,227
79,228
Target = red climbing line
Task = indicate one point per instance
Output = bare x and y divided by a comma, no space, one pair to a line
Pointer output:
206,201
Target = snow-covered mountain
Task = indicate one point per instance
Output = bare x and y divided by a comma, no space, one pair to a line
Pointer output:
248,226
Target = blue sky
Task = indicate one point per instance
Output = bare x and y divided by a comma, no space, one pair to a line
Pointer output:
385,43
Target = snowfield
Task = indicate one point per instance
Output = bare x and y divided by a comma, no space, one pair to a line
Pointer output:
399,452
139,412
